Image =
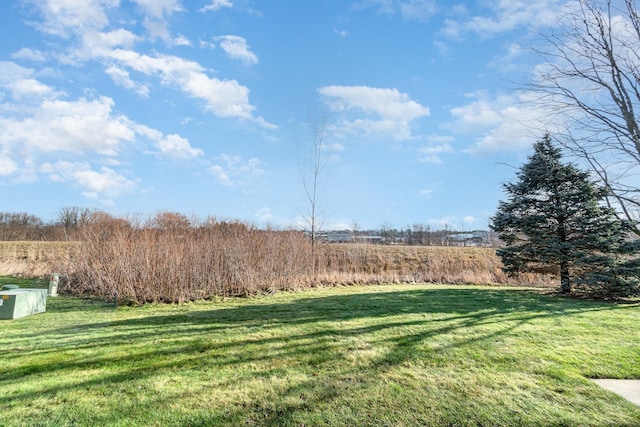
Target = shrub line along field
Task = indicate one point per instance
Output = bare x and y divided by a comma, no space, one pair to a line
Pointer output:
175,266
398,355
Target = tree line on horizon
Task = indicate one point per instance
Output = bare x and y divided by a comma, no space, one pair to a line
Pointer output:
22,226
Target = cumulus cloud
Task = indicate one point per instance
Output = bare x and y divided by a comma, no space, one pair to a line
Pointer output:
7,166
387,111
236,47
65,18
177,147
82,125
506,122
96,42
20,84
224,98
88,20
104,185
46,126
232,171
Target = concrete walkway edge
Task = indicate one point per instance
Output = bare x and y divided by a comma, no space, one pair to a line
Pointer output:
629,389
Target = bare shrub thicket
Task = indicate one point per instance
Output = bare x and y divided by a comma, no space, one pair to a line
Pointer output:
168,259
171,258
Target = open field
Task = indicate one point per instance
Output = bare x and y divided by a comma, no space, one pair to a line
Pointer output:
31,258
396,355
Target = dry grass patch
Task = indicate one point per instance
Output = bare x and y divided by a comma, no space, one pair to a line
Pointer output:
31,258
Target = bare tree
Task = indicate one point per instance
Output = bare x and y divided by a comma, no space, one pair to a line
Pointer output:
20,226
71,218
313,184
387,232
355,229
590,82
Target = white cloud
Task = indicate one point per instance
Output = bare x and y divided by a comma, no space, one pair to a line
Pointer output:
236,48
121,78
104,185
63,18
176,147
180,40
224,98
74,126
29,88
157,29
217,5
469,219
505,122
384,102
504,16
159,8
393,111
7,166
477,115
45,126
232,171
10,72
98,41
30,55
157,13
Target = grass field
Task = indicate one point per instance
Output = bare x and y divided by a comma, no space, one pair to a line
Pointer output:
397,355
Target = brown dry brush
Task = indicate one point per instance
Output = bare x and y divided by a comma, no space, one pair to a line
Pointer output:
116,260
367,264
173,259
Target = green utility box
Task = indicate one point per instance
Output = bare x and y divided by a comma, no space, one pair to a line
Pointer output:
23,302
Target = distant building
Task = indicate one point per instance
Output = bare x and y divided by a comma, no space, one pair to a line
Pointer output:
339,236
369,239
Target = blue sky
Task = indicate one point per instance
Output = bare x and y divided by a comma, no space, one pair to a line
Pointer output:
203,107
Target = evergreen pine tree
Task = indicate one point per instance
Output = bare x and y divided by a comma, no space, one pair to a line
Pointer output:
554,221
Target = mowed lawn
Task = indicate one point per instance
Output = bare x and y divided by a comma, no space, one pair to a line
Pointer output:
397,355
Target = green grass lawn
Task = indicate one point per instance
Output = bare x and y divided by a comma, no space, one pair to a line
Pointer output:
397,355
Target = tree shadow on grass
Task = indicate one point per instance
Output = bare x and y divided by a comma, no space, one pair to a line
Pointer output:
309,333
